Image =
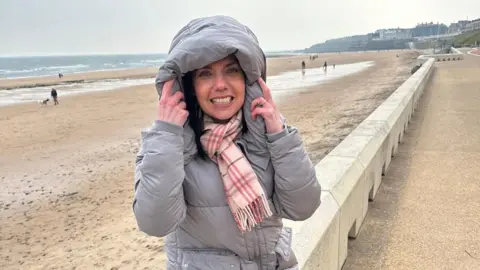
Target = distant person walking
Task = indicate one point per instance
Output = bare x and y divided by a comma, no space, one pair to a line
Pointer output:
303,64
54,95
325,67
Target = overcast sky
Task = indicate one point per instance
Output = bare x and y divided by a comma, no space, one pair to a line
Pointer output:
42,27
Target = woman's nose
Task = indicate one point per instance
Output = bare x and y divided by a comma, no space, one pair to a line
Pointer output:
220,82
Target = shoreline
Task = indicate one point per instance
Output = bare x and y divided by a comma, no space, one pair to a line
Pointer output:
9,83
281,84
91,76
275,66
145,72
72,73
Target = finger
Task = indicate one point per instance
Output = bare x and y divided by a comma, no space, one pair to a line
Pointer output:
260,111
180,117
175,99
258,101
167,90
174,110
266,91
182,105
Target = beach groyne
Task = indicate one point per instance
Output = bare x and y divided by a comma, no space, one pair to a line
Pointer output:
351,173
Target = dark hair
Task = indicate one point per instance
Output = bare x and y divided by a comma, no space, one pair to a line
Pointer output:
195,113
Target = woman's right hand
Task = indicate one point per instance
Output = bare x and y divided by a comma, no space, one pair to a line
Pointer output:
172,108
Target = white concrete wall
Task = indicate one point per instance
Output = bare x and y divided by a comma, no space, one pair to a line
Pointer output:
453,56
351,174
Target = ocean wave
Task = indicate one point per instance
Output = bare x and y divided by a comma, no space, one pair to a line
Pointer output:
159,61
32,70
37,66
67,67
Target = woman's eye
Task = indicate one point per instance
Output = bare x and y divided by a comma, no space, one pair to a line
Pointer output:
233,70
204,73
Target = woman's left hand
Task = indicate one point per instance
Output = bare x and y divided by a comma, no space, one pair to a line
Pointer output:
265,107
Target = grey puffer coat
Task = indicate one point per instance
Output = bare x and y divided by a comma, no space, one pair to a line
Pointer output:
181,196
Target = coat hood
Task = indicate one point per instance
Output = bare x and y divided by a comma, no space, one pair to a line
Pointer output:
206,40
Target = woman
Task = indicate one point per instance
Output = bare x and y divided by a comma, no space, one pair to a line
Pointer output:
220,167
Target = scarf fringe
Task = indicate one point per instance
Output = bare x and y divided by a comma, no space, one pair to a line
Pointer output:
252,214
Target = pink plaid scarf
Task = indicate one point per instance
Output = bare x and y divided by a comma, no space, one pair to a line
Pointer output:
244,193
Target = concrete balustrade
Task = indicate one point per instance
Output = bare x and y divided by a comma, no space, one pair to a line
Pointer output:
352,172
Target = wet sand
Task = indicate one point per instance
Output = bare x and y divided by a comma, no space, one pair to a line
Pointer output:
67,170
77,77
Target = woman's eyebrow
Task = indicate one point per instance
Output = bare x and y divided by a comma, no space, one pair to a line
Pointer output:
231,64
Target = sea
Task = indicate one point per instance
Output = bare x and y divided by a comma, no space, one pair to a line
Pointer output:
12,67
36,66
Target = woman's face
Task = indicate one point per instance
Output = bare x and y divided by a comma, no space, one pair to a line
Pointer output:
220,88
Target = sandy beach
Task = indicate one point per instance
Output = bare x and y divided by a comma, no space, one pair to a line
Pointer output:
67,170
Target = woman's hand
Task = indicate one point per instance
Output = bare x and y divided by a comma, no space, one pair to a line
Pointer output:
172,108
265,107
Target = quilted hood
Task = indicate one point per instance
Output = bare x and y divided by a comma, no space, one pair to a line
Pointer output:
206,40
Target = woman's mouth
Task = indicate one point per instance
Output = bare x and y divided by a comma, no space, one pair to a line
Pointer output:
222,101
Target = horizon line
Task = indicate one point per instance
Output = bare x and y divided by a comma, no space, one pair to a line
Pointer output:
110,53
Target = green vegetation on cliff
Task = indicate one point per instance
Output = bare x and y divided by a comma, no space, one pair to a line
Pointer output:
469,38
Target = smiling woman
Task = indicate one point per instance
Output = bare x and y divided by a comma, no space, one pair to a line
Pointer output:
220,168
220,88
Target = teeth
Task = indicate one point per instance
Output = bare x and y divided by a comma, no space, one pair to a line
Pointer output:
222,100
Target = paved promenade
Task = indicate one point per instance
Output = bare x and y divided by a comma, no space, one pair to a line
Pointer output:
426,214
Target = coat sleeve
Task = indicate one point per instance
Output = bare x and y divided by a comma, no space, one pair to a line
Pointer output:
159,204
297,190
